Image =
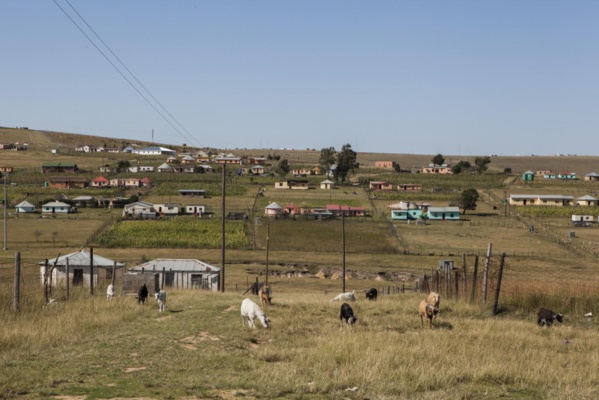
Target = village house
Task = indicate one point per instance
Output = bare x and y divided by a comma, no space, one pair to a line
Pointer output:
540,200
76,267
443,213
292,184
6,146
587,201
67,182
6,169
442,169
347,211
228,160
168,209
154,151
385,164
117,182
327,184
57,207
58,167
175,273
409,187
146,182
273,210
139,209
591,176
164,168
568,176
86,148
192,193
202,157
132,182
291,209
24,207
172,160
528,176
541,174
256,160
195,209
188,160
380,185
301,171
100,181
183,169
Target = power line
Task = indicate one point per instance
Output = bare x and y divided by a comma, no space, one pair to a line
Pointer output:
189,138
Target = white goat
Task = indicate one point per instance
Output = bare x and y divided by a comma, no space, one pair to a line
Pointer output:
161,299
351,296
110,292
433,299
251,311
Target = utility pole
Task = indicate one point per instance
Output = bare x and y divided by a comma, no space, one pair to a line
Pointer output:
267,250
222,271
5,215
343,246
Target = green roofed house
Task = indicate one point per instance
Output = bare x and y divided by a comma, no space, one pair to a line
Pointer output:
528,176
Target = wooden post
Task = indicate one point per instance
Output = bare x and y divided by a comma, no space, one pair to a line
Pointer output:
438,281
457,291
343,246
267,250
91,271
447,283
465,276
425,285
68,277
46,281
498,288
474,276
486,272
113,274
17,288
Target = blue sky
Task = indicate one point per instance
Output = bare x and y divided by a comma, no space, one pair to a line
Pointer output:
453,77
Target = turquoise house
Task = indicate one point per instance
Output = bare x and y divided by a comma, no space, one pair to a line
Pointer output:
528,176
404,215
444,213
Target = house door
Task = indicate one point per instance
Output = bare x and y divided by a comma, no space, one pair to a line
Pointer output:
169,278
77,277
196,281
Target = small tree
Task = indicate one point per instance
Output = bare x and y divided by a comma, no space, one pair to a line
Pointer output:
282,168
123,164
482,163
397,168
468,199
327,158
462,166
346,162
438,159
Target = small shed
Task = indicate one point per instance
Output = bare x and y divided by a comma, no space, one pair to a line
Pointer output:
587,201
528,176
79,268
591,176
25,207
173,272
327,184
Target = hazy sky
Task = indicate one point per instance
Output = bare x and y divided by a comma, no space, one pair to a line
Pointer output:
454,77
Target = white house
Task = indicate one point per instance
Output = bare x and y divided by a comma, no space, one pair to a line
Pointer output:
57,207
78,268
154,151
273,210
195,209
139,209
25,207
165,168
327,184
179,273
167,209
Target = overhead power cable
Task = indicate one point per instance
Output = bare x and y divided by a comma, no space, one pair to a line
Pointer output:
190,138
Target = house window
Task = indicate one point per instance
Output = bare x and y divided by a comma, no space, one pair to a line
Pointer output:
196,281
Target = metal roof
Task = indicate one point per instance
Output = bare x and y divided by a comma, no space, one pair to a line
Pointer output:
82,258
176,264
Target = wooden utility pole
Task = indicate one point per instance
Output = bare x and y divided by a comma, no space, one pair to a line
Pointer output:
343,246
113,274
267,250
486,272
17,288
224,217
91,271
474,275
67,275
498,288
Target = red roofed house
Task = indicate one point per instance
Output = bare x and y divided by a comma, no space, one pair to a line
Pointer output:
100,182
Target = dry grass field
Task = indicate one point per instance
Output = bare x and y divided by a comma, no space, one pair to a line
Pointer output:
88,348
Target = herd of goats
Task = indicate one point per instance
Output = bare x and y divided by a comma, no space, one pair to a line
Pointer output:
428,308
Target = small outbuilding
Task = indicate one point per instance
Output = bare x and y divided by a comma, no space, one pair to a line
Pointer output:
163,273
57,207
25,207
77,267
273,210
327,184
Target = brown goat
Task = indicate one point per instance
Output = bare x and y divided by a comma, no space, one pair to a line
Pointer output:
433,299
264,294
428,310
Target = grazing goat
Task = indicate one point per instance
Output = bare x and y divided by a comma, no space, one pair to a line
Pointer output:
110,292
433,299
345,296
428,310
371,294
142,294
251,311
264,294
546,317
161,299
347,314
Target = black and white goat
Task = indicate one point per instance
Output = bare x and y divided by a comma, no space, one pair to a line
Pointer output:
161,299
546,317
347,314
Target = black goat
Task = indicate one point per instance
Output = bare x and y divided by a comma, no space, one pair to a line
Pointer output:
142,294
371,294
346,314
546,317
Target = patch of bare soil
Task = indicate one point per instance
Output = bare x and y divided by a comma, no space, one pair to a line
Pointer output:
232,308
164,318
234,394
190,342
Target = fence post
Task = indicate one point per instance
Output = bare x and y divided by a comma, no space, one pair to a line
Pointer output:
498,288
17,289
457,291
465,276
113,274
67,275
486,272
46,281
91,271
474,276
